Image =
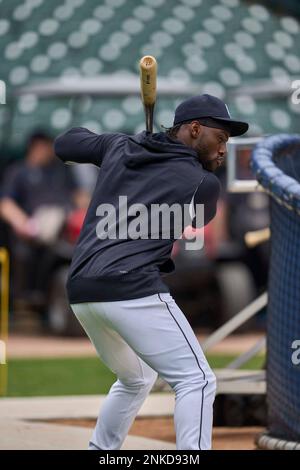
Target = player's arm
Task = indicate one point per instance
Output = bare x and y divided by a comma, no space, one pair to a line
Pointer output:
79,145
10,208
207,194
11,213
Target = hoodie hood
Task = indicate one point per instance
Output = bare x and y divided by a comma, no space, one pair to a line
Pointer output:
145,147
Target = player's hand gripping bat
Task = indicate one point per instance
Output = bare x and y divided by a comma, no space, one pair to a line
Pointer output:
148,72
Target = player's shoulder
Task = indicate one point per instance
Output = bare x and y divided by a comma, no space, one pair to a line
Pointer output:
209,184
210,179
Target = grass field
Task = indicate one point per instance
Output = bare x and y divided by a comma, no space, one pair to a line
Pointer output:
75,376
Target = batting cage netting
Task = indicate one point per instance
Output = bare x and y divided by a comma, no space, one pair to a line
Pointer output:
276,165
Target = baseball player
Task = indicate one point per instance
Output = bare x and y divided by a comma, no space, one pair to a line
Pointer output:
115,283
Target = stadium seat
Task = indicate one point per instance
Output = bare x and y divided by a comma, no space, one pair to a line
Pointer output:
221,45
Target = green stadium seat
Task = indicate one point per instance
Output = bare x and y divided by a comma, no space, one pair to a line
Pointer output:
221,45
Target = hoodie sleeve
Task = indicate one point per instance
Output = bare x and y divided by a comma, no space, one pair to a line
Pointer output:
207,193
79,145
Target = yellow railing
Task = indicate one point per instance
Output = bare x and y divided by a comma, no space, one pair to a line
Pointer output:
4,291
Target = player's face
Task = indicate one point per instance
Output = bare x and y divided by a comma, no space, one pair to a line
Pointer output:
211,147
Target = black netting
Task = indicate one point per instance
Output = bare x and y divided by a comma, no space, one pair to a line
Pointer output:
276,164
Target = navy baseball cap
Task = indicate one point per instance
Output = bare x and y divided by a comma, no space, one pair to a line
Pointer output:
212,111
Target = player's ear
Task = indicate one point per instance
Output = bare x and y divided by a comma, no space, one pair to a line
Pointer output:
196,129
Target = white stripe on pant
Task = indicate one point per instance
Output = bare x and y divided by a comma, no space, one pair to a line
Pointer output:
138,339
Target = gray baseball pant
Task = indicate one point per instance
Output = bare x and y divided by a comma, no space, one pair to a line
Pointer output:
139,339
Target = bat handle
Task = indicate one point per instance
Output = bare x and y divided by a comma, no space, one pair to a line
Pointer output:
149,111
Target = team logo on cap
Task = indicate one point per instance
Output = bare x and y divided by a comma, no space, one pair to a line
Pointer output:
227,110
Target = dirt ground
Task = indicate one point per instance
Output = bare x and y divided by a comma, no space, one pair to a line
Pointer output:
162,428
19,345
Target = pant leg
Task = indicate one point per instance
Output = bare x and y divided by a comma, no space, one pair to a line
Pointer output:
157,330
127,394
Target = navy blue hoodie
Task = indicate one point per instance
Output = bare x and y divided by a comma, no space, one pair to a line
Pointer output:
147,169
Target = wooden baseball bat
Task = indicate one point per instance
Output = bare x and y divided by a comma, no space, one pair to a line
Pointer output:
148,72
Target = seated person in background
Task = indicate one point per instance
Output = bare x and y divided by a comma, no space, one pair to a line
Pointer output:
40,181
